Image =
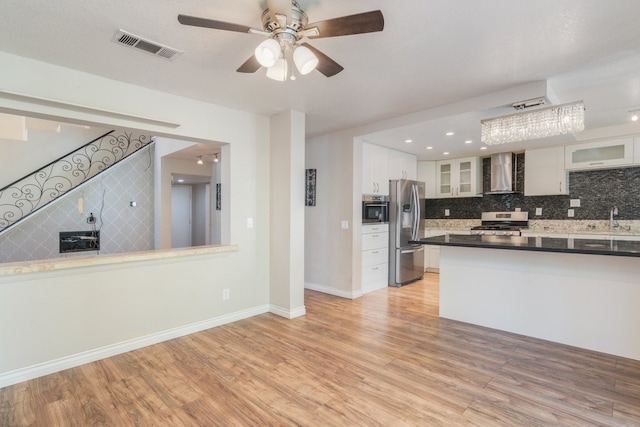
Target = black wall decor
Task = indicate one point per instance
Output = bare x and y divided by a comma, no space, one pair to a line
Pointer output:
218,196
598,191
310,187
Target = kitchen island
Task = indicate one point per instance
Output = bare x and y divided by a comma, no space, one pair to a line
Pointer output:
579,292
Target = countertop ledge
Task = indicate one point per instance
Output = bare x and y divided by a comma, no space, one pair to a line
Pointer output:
53,264
542,244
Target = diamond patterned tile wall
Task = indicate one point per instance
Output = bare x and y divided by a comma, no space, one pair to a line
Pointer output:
122,228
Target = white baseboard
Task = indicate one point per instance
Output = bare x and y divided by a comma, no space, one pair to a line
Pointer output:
286,313
57,365
333,291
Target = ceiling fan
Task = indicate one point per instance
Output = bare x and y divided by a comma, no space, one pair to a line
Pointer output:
286,27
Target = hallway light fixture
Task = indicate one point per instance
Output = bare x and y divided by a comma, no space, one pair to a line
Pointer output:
539,123
200,162
634,115
215,160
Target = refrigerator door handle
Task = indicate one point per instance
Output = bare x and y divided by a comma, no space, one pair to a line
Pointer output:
416,212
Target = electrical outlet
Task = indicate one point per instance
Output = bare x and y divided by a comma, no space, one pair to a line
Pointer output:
344,224
538,211
574,203
225,294
571,213
446,212
249,222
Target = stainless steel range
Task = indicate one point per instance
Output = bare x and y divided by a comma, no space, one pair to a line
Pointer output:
502,223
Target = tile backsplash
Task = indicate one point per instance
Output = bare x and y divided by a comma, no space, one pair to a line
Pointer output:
598,191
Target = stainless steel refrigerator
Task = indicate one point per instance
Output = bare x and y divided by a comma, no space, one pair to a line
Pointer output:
406,261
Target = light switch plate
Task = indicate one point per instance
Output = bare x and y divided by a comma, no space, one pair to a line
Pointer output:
344,224
518,210
249,222
538,211
571,213
574,203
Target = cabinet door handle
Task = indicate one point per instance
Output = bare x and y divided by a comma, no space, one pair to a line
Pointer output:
375,268
596,163
560,186
374,252
375,236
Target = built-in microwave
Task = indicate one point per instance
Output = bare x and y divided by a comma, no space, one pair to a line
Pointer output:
375,208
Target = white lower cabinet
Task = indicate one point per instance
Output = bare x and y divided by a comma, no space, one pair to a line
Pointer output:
432,259
432,252
375,257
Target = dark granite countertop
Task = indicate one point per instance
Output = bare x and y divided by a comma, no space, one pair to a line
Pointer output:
542,244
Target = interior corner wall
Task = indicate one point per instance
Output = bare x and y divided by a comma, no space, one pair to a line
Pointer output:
329,247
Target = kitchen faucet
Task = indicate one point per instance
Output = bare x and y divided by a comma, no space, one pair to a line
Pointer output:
613,223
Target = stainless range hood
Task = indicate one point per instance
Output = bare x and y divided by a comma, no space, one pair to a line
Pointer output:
502,176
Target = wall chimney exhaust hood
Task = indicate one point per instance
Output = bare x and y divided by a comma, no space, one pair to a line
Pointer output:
502,175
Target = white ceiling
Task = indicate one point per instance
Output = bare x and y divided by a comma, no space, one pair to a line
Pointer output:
431,53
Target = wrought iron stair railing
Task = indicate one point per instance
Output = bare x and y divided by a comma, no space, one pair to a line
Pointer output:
33,192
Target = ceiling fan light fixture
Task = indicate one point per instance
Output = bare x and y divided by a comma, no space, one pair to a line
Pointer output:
305,60
279,71
268,52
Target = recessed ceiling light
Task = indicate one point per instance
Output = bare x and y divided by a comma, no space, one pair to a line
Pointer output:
468,141
408,141
181,180
449,133
446,153
429,148
483,148
634,118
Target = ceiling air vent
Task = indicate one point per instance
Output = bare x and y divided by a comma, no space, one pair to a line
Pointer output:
127,39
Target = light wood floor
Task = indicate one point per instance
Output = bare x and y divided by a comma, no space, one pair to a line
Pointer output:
384,359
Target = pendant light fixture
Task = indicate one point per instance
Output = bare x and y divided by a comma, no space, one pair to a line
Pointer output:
215,160
539,123
200,162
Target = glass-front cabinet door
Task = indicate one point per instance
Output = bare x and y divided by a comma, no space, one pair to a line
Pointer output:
459,177
444,178
464,178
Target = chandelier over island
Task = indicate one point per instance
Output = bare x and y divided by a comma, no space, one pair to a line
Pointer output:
539,123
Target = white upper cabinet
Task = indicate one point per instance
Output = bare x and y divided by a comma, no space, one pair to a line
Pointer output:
381,164
375,175
459,177
402,165
599,155
427,174
544,172
636,150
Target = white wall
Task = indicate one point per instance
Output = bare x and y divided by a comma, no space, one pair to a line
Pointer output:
46,317
329,264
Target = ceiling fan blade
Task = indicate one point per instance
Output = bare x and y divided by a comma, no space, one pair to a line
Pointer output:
279,7
367,22
211,23
251,65
326,65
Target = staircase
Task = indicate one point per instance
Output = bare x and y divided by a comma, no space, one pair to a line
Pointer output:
33,192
